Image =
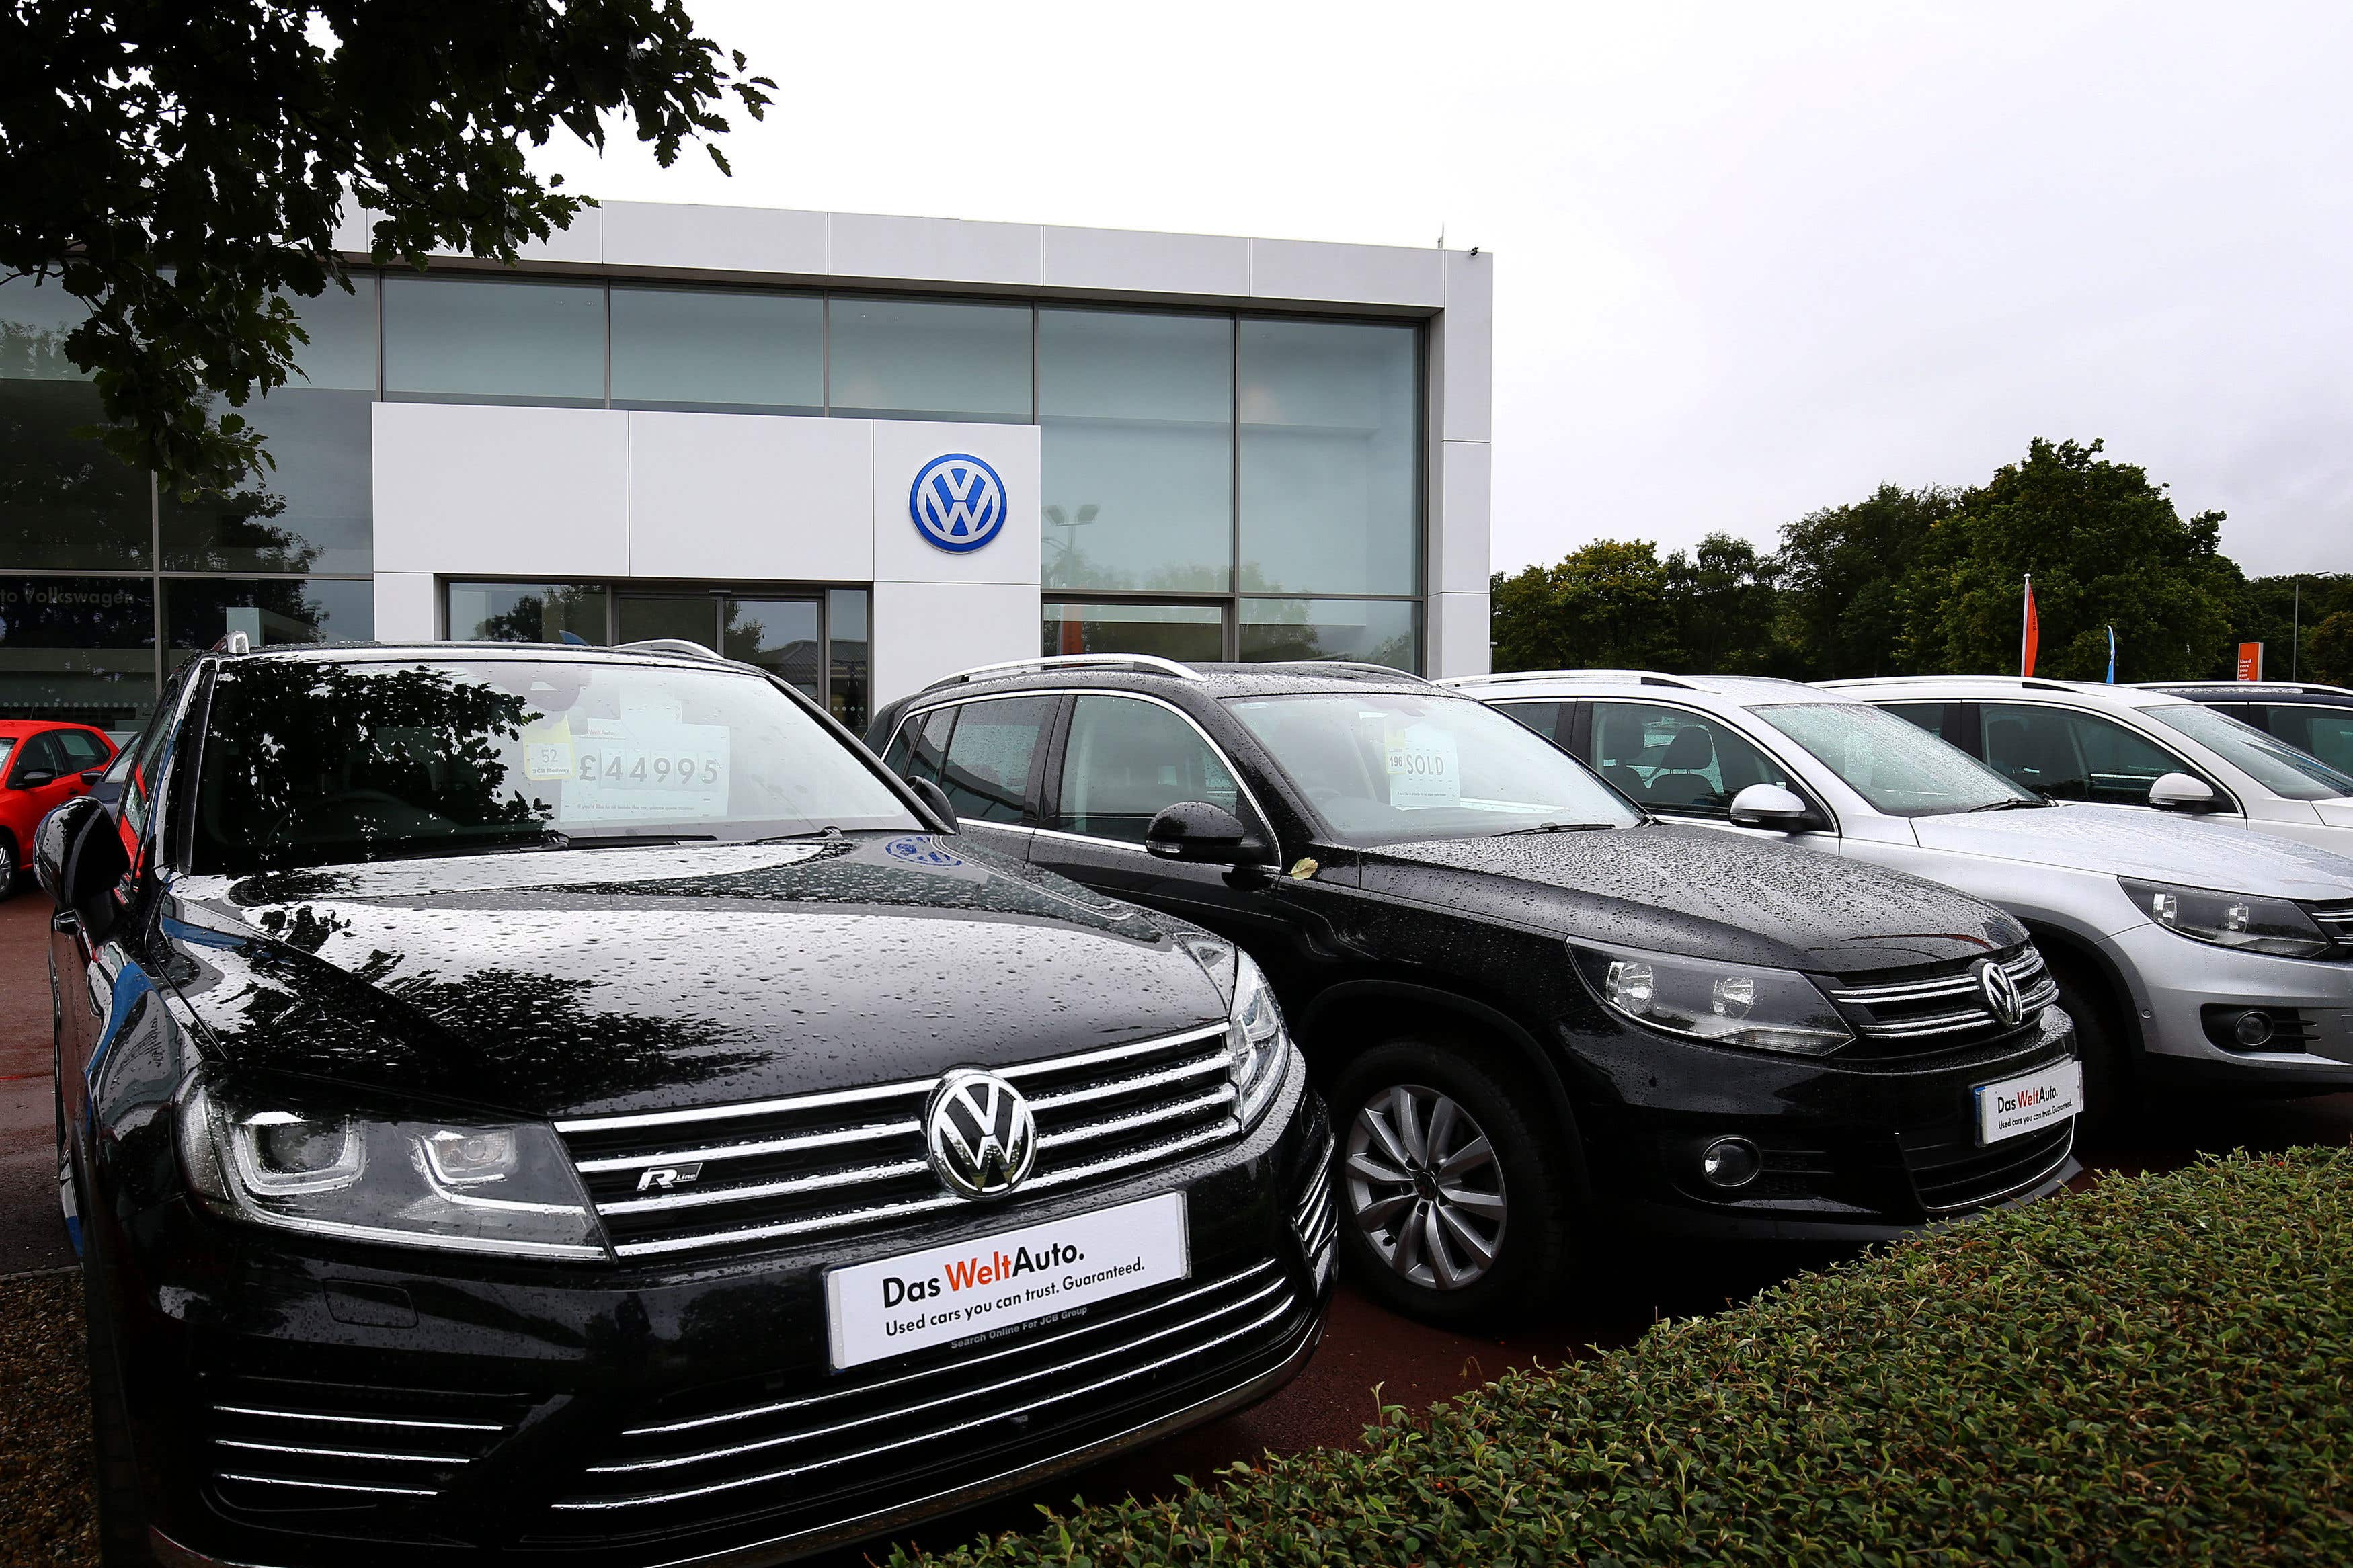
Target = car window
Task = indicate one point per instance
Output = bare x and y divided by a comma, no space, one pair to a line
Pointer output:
2278,766
1894,765
39,753
318,763
2325,733
921,749
2067,755
1677,762
1126,761
990,755
1928,716
1543,717
81,749
7,746
1391,768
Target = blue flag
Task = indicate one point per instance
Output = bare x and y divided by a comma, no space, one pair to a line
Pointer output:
2112,656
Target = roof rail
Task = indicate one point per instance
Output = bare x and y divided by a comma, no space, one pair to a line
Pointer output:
1362,667
1636,677
1152,662
685,647
2249,688
234,643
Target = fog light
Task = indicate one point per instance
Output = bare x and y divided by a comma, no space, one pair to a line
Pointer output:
2253,1028
1731,1162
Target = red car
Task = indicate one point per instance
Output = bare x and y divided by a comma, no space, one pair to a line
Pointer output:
41,763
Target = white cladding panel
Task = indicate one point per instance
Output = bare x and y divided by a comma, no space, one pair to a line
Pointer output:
464,488
746,495
925,630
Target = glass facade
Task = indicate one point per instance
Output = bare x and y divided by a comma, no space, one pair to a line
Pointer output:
1216,484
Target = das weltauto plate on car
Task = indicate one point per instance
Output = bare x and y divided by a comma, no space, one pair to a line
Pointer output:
1004,1280
2016,1106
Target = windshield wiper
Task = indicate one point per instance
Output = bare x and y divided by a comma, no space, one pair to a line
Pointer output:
557,840
1554,827
2012,804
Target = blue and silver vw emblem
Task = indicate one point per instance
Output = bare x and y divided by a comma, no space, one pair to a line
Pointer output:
921,851
958,502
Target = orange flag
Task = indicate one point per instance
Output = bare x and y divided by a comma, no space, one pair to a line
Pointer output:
2030,639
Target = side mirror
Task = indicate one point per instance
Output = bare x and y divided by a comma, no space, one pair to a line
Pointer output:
2179,792
32,778
936,798
90,777
77,858
1768,805
1196,831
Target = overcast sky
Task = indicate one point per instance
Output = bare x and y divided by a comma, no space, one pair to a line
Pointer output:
1751,260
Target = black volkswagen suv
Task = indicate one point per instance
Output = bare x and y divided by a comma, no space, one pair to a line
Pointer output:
553,1105
1530,1003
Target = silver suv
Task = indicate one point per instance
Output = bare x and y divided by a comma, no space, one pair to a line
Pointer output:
2184,951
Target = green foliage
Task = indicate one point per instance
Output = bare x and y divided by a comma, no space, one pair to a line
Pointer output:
1842,571
2271,616
179,168
2157,1371
2105,547
1614,605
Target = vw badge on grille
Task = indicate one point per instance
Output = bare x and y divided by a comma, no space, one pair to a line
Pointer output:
2000,992
980,1134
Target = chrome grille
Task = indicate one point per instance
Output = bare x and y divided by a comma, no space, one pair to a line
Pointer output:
697,1463
2337,920
738,1175
1314,1218
1943,1008
283,1442
1951,1177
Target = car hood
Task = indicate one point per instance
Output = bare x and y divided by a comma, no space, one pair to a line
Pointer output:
1694,890
587,981
2147,845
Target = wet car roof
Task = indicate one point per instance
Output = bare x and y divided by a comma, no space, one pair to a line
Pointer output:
1215,680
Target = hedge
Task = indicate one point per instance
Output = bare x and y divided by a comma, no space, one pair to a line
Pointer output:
2159,1370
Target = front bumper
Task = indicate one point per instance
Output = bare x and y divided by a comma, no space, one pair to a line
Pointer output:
1854,1149
423,1412
2175,981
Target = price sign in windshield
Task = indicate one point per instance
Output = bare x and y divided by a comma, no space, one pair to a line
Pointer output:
647,771
1422,767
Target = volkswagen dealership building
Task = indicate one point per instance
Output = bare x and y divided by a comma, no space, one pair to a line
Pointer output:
862,451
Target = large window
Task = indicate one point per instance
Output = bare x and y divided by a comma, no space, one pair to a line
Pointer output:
1183,632
1330,457
198,612
64,502
480,339
912,359
79,649
1138,427
1364,631
715,351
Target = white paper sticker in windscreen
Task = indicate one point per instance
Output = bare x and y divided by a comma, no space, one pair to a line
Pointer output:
646,770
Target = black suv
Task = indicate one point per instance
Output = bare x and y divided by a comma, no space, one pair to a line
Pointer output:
1526,1000
563,1105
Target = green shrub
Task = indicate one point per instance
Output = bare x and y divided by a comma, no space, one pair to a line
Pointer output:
2157,1371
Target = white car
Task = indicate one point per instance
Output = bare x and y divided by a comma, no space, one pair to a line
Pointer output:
2127,747
2185,951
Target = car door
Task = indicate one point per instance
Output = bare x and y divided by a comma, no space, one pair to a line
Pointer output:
2066,754
987,755
1687,766
1123,759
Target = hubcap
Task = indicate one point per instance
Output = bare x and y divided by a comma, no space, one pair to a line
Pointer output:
1424,1187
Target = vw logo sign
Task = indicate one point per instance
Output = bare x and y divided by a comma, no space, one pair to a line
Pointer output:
958,502
980,1136
2001,993
921,851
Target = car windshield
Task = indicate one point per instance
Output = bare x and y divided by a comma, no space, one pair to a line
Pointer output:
1382,768
2273,764
310,763
7,745
1898,767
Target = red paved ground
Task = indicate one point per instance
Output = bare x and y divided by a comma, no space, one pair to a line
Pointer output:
1331,1402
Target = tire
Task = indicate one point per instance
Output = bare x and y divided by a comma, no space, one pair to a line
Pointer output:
2111,1087
10,866
114,1468
1443,1158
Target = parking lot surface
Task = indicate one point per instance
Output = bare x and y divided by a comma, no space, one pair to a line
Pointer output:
1370,1358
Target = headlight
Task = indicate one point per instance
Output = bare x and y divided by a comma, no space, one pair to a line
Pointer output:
1256,1040
288,1160
2231,920
1726,1003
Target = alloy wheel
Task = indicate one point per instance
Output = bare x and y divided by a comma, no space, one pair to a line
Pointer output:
1424,1187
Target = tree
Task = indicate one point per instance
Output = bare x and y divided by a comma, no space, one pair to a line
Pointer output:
1605,605
180,168
1723,600
2276,609
1841,569
2105,547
